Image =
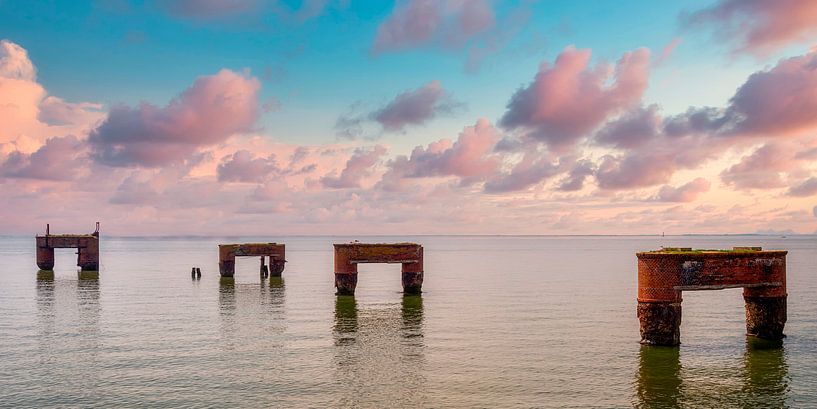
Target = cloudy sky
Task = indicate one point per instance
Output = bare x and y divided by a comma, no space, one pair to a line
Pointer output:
413,117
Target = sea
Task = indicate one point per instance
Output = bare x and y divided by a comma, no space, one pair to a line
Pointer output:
503,322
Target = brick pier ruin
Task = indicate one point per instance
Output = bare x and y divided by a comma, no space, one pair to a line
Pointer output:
87,246
664,274
228,252
349,255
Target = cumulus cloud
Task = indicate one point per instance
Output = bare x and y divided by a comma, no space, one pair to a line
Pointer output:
470,157
357,167
242,166
759,26
14,62
686,193
414,107
533,169
777,102
410,108
415,23
212,109
805,188
569,99
55,111
28,116
762,169
575,179
57,160
632,129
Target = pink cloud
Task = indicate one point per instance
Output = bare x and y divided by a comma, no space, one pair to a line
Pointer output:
56,160
759,26
415,23
568,100
686,193
763,169
357,167
575,179
56,111
242,166
531,170
806,188
414,107
212,109
410,108
28,116
14,62
667,51
469,158
632,129
781,100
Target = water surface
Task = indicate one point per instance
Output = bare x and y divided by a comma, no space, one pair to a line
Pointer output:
502,322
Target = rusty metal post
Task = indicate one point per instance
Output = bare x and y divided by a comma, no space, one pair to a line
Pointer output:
345,271
659,303
413,275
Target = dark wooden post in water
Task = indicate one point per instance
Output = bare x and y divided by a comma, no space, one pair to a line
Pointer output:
228,252
664,274
349,255
87,246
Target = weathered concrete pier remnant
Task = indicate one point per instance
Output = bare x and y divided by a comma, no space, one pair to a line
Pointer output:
228,252
349,255
664,274
87,246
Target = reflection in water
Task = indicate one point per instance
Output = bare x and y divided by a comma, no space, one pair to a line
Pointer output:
263,316
767,372
379,353
659,377
661,382
72,308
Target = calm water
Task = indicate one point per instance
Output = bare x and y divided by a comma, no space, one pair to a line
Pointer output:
503,322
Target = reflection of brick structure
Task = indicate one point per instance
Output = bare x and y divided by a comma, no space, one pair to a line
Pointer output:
349,255
664,274
228,252
87,246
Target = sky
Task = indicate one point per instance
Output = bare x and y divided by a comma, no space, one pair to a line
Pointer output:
253,117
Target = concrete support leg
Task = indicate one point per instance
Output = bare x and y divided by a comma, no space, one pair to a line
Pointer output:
45,258
660,323
345,283
765,316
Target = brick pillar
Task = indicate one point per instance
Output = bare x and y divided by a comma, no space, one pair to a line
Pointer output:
345,271
659,303
45,256
226,261
88,256
766,310
413,275
276,267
